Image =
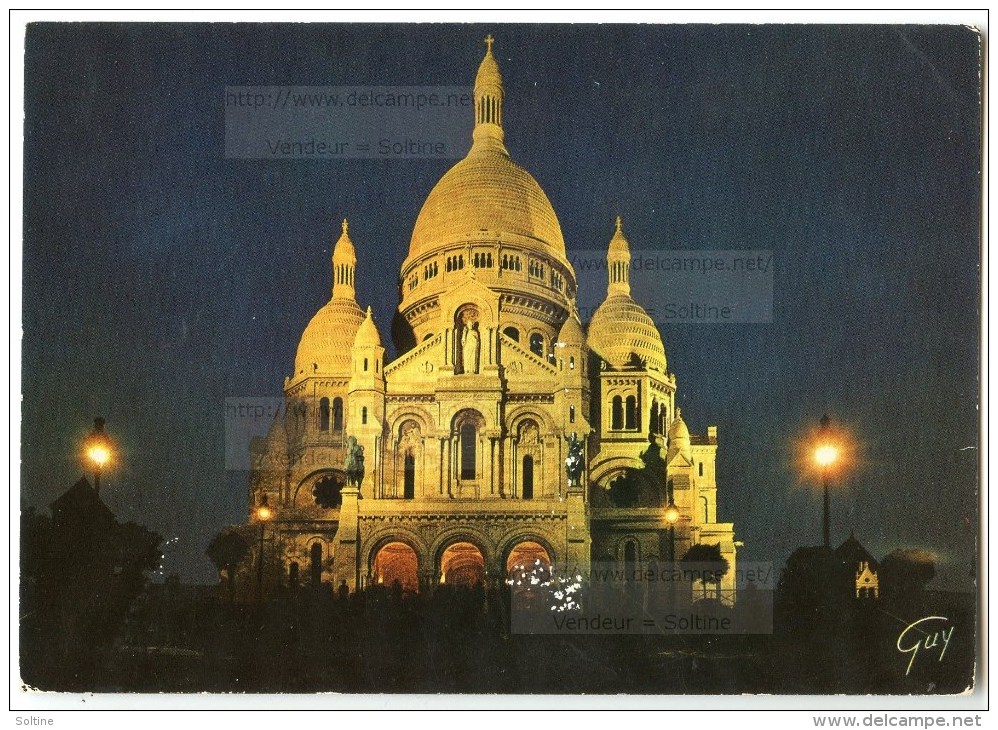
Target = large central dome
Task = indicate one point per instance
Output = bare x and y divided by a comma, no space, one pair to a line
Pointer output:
487,192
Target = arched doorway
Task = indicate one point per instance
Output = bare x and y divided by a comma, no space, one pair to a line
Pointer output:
393,562
462,564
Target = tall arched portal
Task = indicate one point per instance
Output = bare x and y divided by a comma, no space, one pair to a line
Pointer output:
462,564
396,561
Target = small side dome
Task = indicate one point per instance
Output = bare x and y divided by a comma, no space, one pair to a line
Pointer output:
679,437
571,332
367,333
679,429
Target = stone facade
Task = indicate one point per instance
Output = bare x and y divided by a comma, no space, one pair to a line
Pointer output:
465,432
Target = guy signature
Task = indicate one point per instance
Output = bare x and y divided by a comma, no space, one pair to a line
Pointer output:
916,636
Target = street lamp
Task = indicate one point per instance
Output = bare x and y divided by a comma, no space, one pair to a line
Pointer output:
672,516
825,456
263,514
97,449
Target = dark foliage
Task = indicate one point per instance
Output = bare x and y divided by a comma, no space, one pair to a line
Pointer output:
227,550
904,574
80,571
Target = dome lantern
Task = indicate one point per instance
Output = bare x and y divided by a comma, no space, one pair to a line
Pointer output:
344,265
618,262
488,102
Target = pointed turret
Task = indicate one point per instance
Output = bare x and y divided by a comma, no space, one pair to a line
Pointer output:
368,357
366,394
367,333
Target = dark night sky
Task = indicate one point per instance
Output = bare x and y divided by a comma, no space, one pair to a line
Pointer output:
161,278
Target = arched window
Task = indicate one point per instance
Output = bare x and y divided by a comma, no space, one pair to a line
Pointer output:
293,576
528,477
653,421
571,414
337,414
316,564
363,415
630,553
409,478
324,414
701,469
537,344
327,492
365,364
617,413
427,336
631,413
469,438
512,333
571,363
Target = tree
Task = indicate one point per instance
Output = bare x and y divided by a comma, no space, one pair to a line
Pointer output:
814,588
227,550
707,561
905,572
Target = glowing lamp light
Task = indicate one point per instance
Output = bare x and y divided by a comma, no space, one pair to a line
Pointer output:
99,455
826,455
263,513
97,450
671,514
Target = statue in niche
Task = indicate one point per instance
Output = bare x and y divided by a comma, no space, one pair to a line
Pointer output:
471,341
354,462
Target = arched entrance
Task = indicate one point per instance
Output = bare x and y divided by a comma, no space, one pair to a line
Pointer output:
528,559
462,564
396,561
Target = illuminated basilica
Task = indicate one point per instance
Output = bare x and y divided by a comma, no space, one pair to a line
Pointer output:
465,434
